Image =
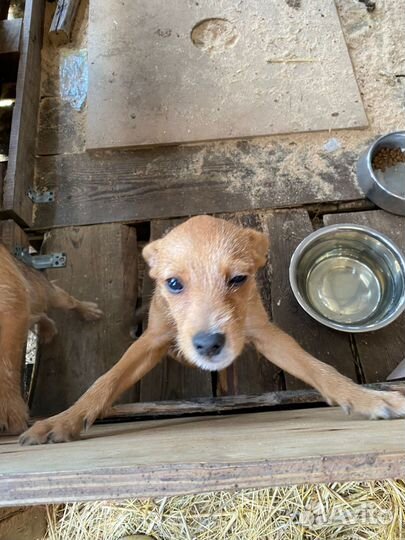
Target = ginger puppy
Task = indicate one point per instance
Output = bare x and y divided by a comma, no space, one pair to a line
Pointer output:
206,307
25,296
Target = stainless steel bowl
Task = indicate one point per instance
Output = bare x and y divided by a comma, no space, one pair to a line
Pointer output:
349,277
386,193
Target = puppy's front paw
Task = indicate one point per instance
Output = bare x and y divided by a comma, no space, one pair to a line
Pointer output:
90,311
376,404
60,428
13,415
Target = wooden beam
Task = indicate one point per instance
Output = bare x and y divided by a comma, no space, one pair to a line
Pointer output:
20,172
63,20
179,181
10,33
191,455
268,400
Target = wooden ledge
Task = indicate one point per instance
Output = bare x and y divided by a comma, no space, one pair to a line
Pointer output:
189,455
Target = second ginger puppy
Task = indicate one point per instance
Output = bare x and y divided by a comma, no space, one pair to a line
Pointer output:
25,297
206,307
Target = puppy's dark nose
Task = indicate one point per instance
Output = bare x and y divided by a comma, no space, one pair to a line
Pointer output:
208,344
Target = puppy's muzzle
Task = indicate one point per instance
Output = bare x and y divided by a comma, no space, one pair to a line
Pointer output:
207,344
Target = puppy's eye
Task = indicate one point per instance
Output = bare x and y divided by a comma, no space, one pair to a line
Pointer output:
174,285
237,281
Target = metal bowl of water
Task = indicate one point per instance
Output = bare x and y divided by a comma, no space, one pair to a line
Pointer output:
349,277
385,188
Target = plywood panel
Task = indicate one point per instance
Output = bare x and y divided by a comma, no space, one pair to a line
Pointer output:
379,352
259,68
166,457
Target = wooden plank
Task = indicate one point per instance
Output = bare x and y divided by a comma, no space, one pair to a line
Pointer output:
12,235
171,379
167,457
20,170
60,128
266,401
101,267
379,352
63,20
251,373
286,230
10,32
180,181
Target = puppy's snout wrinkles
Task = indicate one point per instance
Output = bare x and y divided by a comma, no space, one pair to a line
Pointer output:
207,344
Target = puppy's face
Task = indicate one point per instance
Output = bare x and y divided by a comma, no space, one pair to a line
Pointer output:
205,270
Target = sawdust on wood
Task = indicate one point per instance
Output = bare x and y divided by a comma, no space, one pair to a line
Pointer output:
379,64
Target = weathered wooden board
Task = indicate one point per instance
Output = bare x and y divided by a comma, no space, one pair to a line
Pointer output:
101,267
62,22
171,379
251,373
237,403
20,171
10,32
286,230
167,457
158,82
12,236
60,128
171,182
379,352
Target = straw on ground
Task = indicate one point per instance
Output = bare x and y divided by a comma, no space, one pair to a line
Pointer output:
353,510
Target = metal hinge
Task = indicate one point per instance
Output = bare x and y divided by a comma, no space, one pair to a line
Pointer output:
40,262
41,197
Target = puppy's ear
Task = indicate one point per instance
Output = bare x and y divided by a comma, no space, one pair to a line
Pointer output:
260,244
151,255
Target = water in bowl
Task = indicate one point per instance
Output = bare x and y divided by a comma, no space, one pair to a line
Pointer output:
344,289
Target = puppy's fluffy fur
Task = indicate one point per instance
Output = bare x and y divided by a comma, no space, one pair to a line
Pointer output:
25,297
205,255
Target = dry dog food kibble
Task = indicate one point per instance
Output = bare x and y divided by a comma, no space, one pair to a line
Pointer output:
388,157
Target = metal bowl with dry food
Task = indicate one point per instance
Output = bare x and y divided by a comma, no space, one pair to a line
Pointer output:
381,172
349,277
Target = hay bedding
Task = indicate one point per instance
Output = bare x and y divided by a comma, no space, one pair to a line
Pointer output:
368,510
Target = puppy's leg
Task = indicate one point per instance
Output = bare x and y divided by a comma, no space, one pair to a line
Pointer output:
60,299
14,326
337,389
140,358
46,328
